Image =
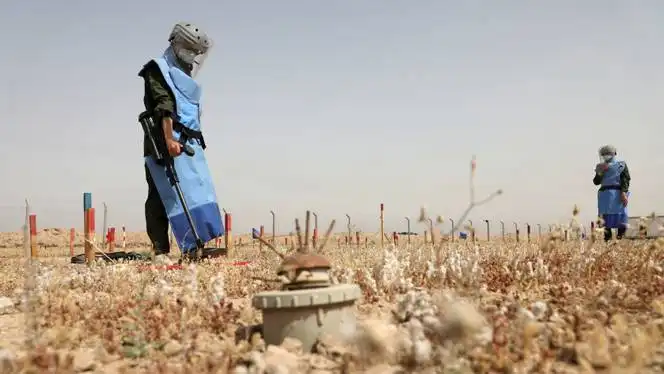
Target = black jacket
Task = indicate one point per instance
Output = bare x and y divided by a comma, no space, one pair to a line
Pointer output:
158,98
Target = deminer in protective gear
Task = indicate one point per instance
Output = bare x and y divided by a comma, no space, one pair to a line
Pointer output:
612,175
173,97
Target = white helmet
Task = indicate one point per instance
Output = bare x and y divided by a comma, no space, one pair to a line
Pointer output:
607,150
607,153
190,44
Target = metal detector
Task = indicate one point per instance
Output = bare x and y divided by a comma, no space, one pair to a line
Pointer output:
157,145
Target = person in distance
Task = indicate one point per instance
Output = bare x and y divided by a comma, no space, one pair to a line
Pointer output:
612,175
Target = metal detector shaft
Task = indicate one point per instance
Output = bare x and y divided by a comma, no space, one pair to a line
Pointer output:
172,175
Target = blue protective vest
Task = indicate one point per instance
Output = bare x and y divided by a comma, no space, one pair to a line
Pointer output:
611,176
193,172
608,200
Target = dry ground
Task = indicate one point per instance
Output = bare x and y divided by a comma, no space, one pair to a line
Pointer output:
545,306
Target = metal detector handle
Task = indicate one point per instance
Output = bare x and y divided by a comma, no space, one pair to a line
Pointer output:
187,149
156,139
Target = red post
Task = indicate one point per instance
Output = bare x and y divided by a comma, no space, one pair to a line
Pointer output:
111,239
89,235
228,223
262,231
357,238
72,237
314,238
33,236
395,238
91,222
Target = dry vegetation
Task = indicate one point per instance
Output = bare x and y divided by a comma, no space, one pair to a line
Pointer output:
545,306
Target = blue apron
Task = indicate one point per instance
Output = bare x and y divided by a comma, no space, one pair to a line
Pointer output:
193,172
609,204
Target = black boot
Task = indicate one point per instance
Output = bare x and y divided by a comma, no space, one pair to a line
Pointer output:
608,234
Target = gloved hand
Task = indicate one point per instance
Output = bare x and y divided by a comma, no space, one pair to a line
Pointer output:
601,168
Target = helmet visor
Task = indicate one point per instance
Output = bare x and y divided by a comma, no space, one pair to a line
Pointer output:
192,55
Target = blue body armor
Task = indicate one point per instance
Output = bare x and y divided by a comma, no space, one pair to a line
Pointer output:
609,203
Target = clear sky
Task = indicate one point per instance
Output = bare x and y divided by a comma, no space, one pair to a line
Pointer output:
337,106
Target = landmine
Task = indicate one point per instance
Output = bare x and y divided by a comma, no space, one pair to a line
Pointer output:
308,304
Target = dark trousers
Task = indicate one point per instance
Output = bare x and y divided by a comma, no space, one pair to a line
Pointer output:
156,220
619,235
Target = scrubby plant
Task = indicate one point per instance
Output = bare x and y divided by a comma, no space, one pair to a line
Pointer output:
559,305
